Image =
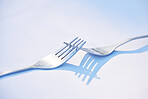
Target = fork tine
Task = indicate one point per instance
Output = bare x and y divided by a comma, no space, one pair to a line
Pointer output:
76,41
74,46
65,46
74,49
74,52
81,45
71,48
73,40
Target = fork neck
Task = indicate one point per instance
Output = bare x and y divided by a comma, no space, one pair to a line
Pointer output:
130,39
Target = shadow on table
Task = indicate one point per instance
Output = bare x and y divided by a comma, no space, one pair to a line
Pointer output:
91,64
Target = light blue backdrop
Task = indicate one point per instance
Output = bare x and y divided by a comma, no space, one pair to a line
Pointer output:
31,29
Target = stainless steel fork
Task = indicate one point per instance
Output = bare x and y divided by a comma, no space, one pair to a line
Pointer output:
106,50
53,60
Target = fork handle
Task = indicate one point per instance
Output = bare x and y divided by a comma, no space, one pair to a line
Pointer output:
130,39
10,72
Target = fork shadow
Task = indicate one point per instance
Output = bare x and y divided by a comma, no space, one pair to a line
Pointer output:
91,64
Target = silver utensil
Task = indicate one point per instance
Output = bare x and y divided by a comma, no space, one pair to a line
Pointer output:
53,60
106,50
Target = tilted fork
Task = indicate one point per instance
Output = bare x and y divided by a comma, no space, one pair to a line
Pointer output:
53,60
106,50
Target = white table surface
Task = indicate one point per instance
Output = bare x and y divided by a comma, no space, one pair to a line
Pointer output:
31,29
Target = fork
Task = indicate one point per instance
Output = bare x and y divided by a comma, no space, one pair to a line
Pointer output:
106,50
53,60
